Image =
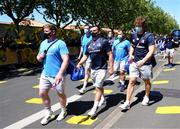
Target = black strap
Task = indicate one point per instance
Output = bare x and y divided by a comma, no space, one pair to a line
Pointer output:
45,51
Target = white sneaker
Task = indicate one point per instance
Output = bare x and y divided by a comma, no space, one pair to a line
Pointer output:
62,115
145,101
92,112
82,90
102,102
125,106
47,117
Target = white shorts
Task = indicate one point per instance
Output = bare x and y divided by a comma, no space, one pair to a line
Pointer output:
170,52
119,66
144,72
47,82
98,77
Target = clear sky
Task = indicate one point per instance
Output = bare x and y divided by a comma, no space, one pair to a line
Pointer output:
170,6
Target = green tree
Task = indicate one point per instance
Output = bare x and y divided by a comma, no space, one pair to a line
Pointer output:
17,10
57,12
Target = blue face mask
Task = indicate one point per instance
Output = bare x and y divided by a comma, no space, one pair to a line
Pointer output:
88,34
138,29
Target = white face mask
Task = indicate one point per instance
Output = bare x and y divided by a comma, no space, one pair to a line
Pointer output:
119,36
110,35
85,30
138,29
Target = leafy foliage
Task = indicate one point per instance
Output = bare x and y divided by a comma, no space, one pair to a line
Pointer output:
17,10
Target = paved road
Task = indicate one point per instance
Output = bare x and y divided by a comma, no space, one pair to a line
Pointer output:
20,106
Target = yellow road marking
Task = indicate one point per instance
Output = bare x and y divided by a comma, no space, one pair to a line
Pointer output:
82,120
36,86
106,91
90,80
1,82
127,76
165,70
34,101
178,62
161,82
168,110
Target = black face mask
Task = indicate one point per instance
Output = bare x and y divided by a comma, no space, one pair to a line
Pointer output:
94,35
46,35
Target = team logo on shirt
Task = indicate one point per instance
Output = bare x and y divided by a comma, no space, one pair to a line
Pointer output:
142,41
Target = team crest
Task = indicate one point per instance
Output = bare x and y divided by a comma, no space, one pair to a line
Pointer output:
142,41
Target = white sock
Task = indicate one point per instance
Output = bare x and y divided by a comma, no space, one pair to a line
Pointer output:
122,82
146,96
95,105
102,97
101,101
48,108
127,101
84,85
63,109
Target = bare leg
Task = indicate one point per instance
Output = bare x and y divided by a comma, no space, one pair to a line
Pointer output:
86,78
99,93
122,76
62,99
147,87
130,89
45,98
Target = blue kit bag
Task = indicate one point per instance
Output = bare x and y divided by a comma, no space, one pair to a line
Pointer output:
78,74
75,74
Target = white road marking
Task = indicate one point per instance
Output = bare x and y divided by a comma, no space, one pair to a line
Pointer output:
116,77
35,117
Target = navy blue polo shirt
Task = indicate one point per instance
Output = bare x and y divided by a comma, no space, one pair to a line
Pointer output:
169,43
141,48
97,50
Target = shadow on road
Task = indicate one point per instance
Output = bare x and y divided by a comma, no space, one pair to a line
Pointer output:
7,73
79,107
111,101
155,97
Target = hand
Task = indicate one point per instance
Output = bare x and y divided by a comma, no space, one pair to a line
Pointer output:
130,60
41,56
78,59
78,66
140,63
58,79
